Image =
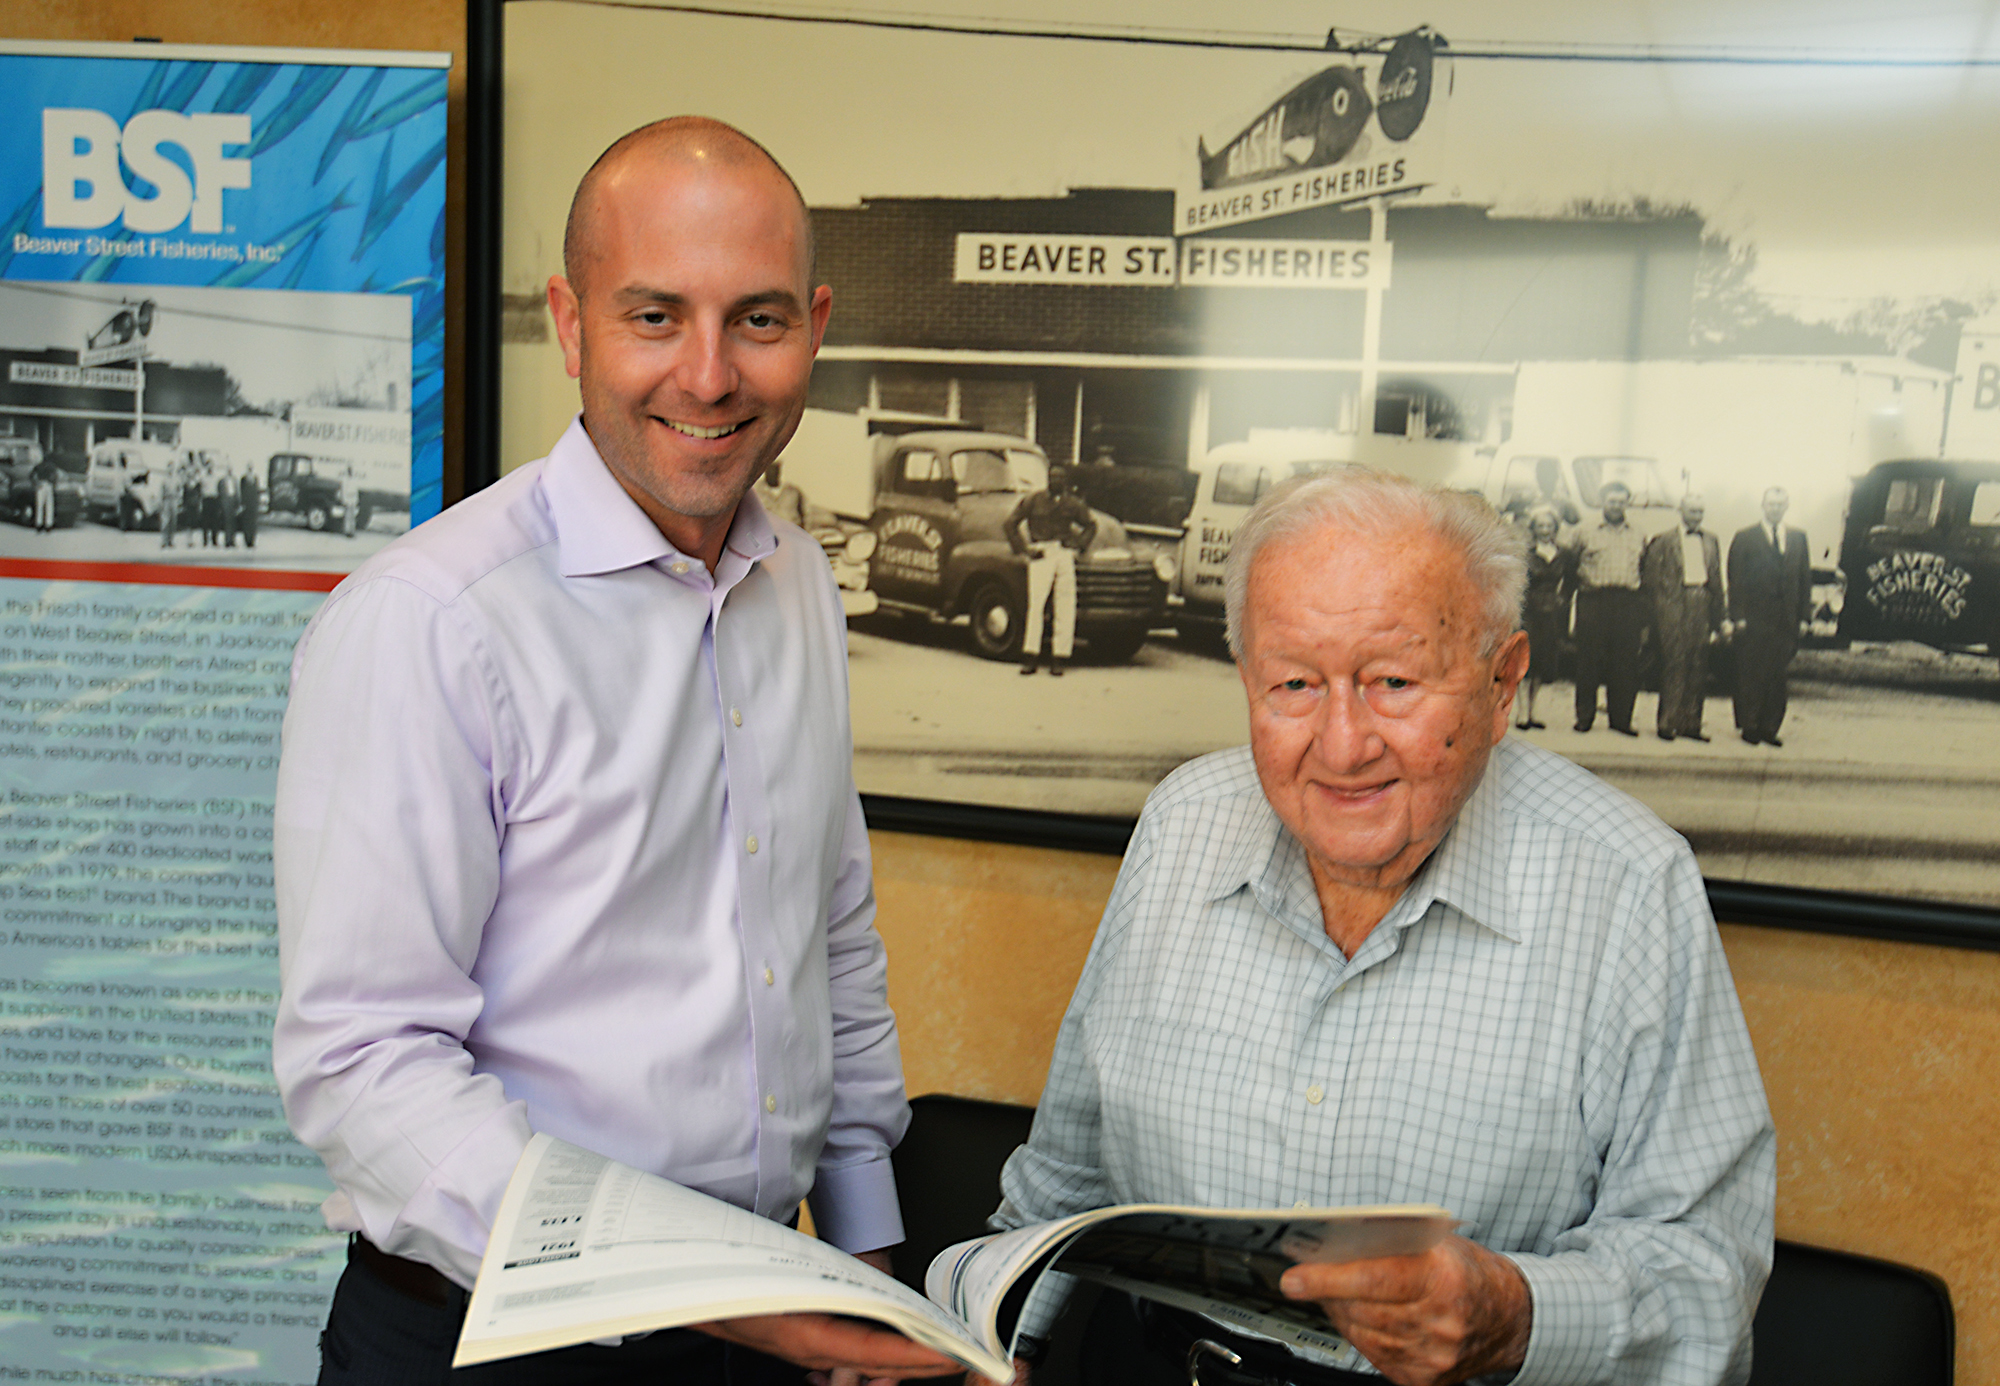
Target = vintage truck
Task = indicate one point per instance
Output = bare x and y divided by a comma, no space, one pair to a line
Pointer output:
935,495
1921,555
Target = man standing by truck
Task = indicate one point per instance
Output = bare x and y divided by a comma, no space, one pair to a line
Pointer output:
1770,601
1681,571
1049,529
1610,612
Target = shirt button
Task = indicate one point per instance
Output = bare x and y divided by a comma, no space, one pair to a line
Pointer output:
678,568
770,1102
750,844
1315,1094
770,978
736,716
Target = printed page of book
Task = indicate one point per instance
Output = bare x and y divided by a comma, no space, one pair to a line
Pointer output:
1219,1261
586,1248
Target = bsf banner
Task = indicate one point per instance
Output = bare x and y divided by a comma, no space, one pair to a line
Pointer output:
221,316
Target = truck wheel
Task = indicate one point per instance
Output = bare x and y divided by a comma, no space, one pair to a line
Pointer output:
996,621
125,514
316,517
1118,644
362,515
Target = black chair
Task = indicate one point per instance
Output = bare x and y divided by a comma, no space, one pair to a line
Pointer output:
1830,1318
948,1178
948,1174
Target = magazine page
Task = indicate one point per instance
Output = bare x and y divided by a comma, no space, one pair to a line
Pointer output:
970,1279
1217,1261
1227,1264
587,1248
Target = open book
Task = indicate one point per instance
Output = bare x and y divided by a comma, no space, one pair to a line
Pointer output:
586,1248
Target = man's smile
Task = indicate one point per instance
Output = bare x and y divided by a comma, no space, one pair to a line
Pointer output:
697,431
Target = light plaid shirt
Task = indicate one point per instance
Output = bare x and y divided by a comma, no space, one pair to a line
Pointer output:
1541,1035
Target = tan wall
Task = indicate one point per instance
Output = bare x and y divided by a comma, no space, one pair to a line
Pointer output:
1882,1059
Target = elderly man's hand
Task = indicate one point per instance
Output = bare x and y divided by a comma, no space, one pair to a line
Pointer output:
1456,1311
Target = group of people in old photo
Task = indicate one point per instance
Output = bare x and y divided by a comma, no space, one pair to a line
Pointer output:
205,494
1604,591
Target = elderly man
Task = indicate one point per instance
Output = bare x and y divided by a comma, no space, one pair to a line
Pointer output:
1770,603
566,835
1681,572
1610,613
1383,955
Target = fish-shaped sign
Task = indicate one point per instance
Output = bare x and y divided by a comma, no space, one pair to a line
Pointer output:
1314,124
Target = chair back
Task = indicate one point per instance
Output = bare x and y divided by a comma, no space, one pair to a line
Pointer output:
948,1173
1831,1318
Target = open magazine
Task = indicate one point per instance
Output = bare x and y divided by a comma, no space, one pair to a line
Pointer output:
586,1248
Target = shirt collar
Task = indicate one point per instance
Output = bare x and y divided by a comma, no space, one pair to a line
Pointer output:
601,529
1468,871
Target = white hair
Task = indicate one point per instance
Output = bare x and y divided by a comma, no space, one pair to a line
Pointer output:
1360,500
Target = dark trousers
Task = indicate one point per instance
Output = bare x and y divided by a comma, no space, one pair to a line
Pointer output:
379,1336
1762,657
1608,622
1680,619
1138,1343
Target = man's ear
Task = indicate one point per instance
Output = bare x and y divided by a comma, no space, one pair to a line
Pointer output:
1510,666
567,309
819,312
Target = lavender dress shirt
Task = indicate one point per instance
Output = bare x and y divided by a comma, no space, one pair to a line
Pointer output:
567,840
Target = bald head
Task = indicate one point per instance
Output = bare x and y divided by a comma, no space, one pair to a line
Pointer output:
687,142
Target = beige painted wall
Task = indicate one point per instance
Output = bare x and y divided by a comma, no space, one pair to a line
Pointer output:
1882,1060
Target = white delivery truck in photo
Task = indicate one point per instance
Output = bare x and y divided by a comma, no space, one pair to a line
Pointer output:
371,445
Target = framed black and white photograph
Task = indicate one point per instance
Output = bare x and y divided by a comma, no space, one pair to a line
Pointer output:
1732,274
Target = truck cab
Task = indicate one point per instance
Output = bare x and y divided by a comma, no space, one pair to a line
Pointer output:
941,500
1573,487
1231,479
1920,554
123,481
317,492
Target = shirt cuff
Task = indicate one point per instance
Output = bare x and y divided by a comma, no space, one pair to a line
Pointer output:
854,1206
447,1222
1575,1313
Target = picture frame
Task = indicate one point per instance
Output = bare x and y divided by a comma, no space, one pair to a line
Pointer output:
1452,406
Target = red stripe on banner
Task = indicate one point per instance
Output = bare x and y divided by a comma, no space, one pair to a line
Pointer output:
169,575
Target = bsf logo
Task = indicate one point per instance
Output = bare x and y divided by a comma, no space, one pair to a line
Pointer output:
83,188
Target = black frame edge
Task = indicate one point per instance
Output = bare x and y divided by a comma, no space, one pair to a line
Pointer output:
485,31
1066,832
1858,916
1734,902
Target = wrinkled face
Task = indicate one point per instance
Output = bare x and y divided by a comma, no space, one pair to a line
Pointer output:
1776,503
1371,710
1692,513
693,332
1614,501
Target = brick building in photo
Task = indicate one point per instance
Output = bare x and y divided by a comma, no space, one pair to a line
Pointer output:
1157,369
